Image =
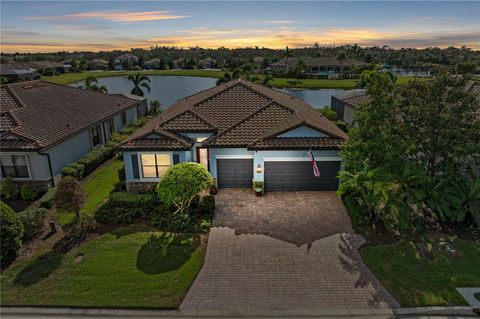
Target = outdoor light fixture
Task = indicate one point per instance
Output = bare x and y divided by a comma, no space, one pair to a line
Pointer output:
259,168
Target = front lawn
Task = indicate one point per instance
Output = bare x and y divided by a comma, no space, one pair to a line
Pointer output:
100,184
418,281
135,266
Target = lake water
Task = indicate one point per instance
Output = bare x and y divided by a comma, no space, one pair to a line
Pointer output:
168,89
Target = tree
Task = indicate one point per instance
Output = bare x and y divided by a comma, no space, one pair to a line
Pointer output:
420,142
11,232
341,56
139,80
91,83
70,196
155,106
227,76
267,79
468,67
181,183
298,69
328,113
83,64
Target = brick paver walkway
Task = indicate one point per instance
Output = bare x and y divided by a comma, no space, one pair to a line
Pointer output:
283,251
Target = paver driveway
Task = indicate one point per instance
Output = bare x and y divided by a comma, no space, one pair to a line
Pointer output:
283,251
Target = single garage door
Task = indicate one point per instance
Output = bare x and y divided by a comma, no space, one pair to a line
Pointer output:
298,176
234,173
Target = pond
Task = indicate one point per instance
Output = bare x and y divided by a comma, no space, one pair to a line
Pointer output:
168,89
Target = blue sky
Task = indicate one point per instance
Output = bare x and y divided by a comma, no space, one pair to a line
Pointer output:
42,26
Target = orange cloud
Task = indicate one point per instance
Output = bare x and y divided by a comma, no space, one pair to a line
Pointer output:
116,16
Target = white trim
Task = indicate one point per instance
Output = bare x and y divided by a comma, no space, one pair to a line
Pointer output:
301,159
234,156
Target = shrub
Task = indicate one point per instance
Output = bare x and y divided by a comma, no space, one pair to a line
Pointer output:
11,232
75,170
207,206
342,125
181,183
359,213
27,193
8,188
123,207
69,196
328,113
32,220
95,158
46,201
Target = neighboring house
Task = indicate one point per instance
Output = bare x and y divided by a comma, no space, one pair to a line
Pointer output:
152,64
346,104
323,66
242,132
207,63
178,63
17,73
120,60
98,64
45,126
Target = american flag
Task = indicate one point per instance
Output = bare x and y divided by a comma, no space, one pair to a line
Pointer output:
316,172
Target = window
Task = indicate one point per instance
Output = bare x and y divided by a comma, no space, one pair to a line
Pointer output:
15,166
124,118
95,135
155,165
111,125
200,139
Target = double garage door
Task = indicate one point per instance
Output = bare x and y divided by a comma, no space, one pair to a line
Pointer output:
279,176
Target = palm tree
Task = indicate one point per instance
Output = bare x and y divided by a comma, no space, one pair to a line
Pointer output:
139,80
155,107
268,78
341,56
237,73
226,77
91,83
299,68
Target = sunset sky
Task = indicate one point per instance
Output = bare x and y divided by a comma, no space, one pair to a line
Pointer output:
43,26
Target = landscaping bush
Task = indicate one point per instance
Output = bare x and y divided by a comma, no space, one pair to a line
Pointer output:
184,221
46,201
328,113
70,196
32,220
207,206
75,170
8,188
181,183
27,193
95,158
359,214
11,232
123,207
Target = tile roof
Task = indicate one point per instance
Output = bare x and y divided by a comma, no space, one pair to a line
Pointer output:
297,143
48,113
156,139
353,97
242,113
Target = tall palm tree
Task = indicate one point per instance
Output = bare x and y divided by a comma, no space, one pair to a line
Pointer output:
155,107
299,68
91,83
341,56
139,80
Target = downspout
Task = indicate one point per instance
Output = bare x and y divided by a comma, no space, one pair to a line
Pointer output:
49,166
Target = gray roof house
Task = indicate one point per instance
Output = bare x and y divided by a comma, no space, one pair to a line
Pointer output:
242,132
44,126
346,104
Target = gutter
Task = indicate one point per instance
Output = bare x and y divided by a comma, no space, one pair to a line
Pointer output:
49,166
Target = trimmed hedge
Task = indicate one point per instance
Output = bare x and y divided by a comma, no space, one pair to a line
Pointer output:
123,208
95,158
27,193
11,233
75,170
46,201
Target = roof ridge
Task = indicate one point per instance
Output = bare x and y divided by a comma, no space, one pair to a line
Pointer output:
231,127
14,95
209,123
228,85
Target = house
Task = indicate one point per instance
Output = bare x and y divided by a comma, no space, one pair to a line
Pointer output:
152,64
322,66
45,126
120,60
17,73
207,63
242,132
98,64
346,104
178,63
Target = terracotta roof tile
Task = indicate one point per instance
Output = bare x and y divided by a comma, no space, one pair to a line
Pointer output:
51,113
156,139
7,121
242,112
295,143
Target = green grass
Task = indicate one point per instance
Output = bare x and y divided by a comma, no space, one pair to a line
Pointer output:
136,266
99,185
69,78
416,281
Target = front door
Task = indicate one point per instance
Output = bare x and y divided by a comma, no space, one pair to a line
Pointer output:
202,156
